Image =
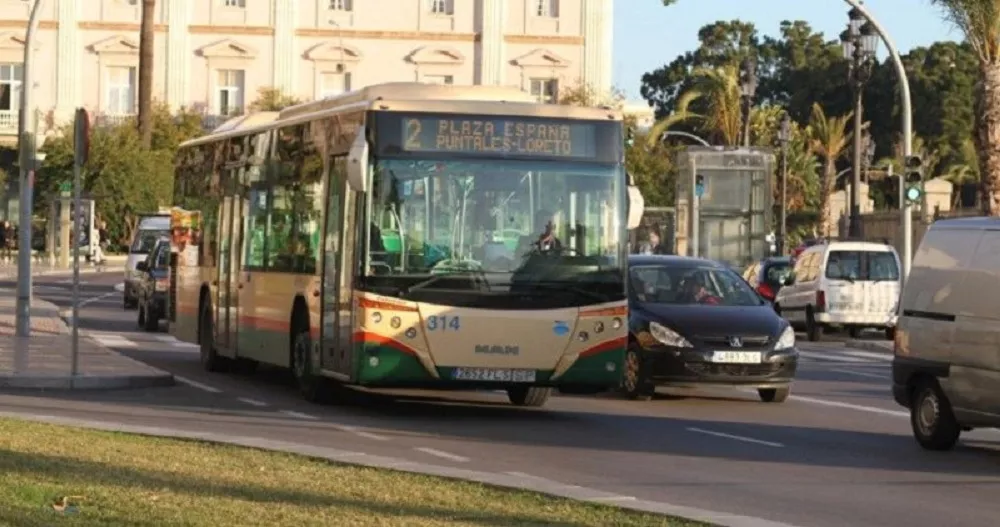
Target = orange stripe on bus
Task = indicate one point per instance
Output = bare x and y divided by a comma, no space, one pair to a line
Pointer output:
367,337
605,346
618,311
382,304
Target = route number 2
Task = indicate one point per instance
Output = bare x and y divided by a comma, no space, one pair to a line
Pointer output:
443,323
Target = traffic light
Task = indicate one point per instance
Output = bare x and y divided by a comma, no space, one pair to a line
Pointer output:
629,136
913,179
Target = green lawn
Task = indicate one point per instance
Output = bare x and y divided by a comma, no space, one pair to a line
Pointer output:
122,479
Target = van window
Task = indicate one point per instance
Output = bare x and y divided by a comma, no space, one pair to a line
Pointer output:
862,265
145,241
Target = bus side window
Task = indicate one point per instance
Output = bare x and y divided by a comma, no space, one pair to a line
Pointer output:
256,219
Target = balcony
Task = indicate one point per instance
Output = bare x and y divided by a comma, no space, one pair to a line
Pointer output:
8,122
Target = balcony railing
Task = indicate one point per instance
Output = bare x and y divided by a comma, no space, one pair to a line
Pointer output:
8,122
111,119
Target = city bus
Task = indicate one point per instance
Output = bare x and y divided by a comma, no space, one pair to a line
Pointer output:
408,235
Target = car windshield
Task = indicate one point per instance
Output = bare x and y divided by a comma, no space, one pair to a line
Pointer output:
862,265
777,272
685,284
500,228
145,241
162,257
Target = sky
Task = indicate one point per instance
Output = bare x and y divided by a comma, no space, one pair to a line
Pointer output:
648,35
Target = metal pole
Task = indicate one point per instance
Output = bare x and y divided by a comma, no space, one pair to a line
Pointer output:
685,134
695,231
783,224
907,116
77,213
26,161
854,227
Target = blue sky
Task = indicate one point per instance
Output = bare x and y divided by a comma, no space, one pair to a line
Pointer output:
648,35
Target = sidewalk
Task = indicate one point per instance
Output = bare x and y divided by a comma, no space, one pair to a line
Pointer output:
878,346
44,360
8,269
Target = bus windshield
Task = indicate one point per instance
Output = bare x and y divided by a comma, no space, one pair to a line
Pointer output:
491,232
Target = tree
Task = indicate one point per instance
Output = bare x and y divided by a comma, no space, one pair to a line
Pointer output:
829,139
722,120
272,100
147,41
979,21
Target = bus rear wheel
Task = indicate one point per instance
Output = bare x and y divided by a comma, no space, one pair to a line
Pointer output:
534,396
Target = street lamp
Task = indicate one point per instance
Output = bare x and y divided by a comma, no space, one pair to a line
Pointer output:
784,136
748,88
859,42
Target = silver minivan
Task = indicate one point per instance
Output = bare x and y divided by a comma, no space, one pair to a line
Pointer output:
151,228
946,364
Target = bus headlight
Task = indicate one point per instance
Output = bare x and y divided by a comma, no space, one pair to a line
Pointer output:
598,327
395,322
411,333
376,317
616,323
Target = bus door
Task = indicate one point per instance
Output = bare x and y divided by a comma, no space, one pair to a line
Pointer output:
235,248
224,291
336,350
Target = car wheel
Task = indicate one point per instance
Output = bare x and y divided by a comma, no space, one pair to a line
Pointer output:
634,384
814,331
140,318
854,333
931,417
150,322
534,396
890,333
777,309
774,395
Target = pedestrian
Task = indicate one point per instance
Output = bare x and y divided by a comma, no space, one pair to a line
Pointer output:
4,253
652,244
102,243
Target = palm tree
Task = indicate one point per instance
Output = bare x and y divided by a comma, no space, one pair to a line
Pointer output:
146,43
959,175
722,122
979,20
830,137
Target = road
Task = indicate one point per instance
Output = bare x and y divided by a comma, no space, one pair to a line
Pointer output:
838,452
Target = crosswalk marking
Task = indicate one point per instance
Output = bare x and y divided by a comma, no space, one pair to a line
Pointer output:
116,340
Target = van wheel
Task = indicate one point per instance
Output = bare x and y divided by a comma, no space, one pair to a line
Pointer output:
931,417
774,395
814,331
535,396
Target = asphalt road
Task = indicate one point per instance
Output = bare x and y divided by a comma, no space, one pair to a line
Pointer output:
837,453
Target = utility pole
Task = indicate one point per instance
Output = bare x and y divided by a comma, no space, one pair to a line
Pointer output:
26,161
146,44
784,136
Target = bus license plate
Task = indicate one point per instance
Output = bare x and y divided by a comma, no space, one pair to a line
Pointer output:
493,375
737,357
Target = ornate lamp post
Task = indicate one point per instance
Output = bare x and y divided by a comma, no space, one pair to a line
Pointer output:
859,42
748,88
784,136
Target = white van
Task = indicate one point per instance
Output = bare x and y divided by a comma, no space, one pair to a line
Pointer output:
946,368
851,285
151,228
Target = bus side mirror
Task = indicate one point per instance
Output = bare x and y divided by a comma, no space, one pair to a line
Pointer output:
357,162
636,206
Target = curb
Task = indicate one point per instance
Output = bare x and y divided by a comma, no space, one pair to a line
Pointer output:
868,345
510,481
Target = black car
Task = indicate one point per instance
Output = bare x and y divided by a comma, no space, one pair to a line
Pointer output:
151,286
694,323
768,275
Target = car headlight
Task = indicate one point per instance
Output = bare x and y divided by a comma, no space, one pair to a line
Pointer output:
786,340
668,336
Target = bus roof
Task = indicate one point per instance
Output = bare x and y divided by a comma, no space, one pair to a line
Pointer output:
413,97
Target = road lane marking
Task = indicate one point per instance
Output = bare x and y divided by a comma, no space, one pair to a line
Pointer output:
299,415
884,357
113,341
735,437
849,406
196,384
120,287
860,373
442,454
251,402
832,357
360,433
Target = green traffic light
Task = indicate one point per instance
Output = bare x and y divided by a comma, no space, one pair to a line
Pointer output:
913,193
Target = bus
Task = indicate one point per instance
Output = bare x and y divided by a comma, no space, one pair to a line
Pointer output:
409,235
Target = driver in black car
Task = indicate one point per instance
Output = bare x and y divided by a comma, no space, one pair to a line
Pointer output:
544,242
695,291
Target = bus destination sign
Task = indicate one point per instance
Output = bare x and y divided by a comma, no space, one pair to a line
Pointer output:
499,135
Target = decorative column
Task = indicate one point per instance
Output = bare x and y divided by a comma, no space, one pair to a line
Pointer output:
179,54
598,20
492,46
68,62
285,61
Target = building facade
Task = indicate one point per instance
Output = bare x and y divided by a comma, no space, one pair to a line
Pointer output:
214,55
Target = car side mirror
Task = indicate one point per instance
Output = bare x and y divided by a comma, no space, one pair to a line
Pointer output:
142,267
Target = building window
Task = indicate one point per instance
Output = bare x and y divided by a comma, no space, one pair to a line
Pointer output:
340,5
229,92
547,8
545,90
122,82
439,79
442,7
11,76
235,3
335,84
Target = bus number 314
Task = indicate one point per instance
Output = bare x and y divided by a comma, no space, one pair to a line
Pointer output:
443,323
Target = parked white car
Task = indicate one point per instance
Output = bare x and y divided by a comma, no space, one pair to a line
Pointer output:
849,285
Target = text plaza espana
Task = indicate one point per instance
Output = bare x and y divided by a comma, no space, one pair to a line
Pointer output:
511,137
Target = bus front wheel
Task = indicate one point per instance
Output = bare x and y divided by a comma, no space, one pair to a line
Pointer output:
314,388
529,395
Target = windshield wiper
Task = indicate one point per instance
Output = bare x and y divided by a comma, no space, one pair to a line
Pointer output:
423,284
564,286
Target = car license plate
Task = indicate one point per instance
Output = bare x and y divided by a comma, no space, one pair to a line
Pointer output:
493,375
736,357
